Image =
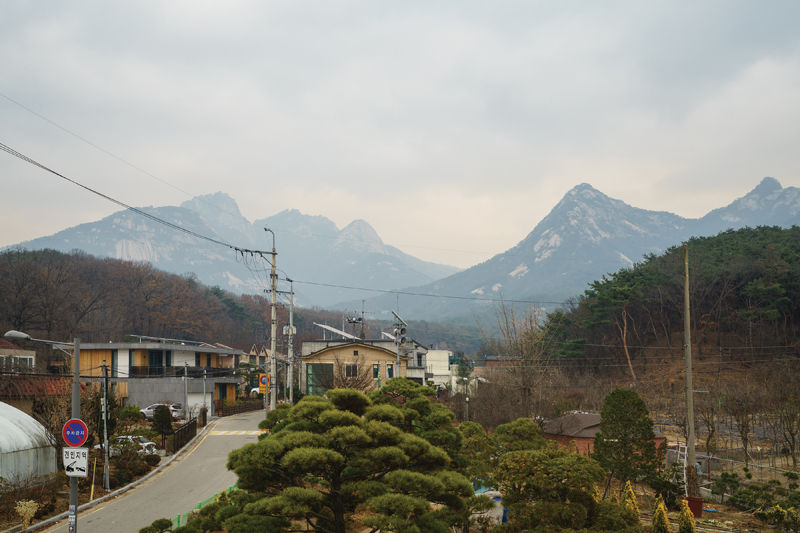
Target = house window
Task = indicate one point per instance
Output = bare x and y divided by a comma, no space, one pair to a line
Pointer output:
208,360
355,353
197,360
389,370
419,359
351,371
319,378
376,371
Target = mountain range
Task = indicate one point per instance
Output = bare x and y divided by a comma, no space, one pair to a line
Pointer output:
310,248
586,235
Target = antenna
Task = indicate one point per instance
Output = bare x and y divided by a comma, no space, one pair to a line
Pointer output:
400,319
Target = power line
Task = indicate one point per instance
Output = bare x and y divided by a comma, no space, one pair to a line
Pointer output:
427,295
138,211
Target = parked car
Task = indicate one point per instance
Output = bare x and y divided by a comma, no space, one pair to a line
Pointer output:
143,445
175,409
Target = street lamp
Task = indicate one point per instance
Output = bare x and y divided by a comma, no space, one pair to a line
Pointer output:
76,411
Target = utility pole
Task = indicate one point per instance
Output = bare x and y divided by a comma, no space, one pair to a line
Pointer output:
273,367
106,481
399,340
687,349
290,346
186,390
289,331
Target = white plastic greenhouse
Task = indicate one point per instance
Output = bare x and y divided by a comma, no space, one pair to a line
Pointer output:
26,451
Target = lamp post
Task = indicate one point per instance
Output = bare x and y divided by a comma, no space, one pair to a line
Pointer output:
76,411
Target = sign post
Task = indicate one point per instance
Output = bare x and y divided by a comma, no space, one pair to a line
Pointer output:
76,459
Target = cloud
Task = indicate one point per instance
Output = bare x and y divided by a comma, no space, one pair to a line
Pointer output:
471,119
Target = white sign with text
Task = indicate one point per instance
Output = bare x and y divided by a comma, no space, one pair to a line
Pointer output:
76,461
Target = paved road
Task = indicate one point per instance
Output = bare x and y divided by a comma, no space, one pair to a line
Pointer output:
194,476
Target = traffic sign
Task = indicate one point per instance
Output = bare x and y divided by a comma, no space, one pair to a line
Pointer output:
262,383
76,461
75,432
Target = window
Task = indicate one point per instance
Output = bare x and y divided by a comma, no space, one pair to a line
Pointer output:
319,378
197,359
355,353
389,370
351,371
419,359
376,371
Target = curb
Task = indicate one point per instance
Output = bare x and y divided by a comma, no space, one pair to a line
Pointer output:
88,505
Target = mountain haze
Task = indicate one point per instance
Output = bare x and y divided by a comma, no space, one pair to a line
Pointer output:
310,248
586,235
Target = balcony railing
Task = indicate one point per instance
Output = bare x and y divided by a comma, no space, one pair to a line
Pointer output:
179,371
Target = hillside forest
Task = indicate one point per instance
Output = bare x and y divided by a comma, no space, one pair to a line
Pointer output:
52,295
627,330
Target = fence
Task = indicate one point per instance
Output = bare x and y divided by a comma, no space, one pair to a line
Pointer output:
181,519
184,434
712,466
221,409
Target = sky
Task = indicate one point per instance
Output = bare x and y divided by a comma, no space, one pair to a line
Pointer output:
453,128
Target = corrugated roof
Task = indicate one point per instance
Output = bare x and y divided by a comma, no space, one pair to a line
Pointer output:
18,431
573,425
22,386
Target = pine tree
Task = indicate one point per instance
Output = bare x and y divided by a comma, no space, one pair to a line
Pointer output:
660,519
686,519
629,498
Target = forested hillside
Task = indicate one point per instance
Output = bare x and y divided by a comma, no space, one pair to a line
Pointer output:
52,295
745,300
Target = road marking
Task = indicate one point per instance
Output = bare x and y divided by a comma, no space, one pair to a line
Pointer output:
235,432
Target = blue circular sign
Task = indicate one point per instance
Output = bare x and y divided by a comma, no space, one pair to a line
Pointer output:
75,432
263,379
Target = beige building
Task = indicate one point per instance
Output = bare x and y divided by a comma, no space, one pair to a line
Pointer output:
360,364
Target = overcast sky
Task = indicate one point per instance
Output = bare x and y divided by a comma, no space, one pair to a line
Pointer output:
451,127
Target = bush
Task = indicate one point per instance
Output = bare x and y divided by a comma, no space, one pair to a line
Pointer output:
186,529
152,459
226,512
119,478
254,524
686,519
660,519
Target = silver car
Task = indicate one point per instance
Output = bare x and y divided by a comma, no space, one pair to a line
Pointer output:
142,445
175,409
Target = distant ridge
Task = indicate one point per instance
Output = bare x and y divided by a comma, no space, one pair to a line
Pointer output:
309,248
587,234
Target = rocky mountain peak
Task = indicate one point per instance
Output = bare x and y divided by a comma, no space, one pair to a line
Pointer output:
767,187
361,236
213,204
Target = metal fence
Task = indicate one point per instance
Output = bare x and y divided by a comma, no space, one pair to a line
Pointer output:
184,434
